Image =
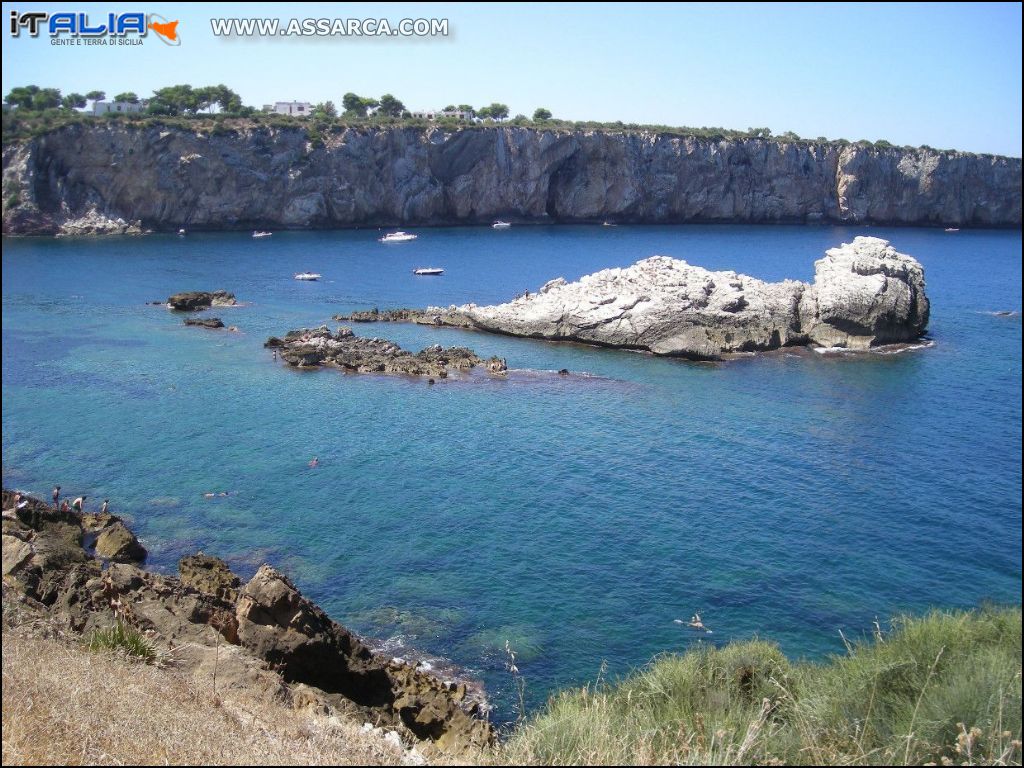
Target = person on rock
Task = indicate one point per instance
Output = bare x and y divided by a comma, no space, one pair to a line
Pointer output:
78,504
106,504
56,494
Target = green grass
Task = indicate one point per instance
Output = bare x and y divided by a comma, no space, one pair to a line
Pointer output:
943,687
122,638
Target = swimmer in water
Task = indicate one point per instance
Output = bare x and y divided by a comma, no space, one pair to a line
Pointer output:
694,623
314,462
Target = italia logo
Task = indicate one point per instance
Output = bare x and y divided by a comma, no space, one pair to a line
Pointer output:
82,25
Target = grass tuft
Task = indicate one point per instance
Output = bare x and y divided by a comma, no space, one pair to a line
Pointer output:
122,638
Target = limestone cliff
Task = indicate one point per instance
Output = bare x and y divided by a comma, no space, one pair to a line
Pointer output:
121,178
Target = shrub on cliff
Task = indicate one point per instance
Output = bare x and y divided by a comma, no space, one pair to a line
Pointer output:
124,639
944,687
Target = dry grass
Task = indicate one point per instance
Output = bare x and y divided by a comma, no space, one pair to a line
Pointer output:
63,704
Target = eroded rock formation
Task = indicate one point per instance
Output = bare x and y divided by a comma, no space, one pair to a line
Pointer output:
864,294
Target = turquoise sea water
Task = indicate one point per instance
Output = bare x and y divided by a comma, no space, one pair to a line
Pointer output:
789,495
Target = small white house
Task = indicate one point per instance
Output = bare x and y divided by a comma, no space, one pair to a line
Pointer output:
124,107
298,108
437,114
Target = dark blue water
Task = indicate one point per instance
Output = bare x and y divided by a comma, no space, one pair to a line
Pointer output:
791,496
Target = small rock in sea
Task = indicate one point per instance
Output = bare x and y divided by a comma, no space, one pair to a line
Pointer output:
205,322
194,301
430,381
563,372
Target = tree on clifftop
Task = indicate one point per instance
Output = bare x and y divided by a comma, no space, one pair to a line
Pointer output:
96,95
540,114
496,111
391,106
34,98
22,96
186,100
73,101
325,109
355,105
128,96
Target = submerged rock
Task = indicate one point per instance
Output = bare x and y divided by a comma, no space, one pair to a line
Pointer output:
316,347
193,301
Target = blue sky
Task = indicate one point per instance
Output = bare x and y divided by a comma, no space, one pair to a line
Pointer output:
947,75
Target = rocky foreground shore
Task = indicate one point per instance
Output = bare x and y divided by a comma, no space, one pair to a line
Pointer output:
261,635
865,294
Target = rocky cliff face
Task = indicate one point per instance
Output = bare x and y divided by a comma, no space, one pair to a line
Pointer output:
119,179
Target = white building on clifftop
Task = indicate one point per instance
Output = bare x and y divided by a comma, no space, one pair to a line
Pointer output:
297,108
437,114
118,107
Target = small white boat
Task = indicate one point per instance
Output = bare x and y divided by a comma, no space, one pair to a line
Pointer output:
608,224
398,237
307,275
181,233
952,229
500,225
258,233
428,271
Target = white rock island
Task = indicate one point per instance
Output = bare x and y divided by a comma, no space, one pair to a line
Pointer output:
864,294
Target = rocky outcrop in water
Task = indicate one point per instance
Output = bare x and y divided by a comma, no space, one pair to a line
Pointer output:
318,347
205,322
238,175
864,294
194,301
235,633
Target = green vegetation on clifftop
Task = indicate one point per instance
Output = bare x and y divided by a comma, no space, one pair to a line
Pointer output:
19,125
942,689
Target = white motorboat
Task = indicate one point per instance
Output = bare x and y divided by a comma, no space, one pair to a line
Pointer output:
952,229
307,275
428,271
500,225
397,237
258,233
181,233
